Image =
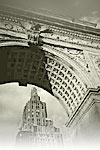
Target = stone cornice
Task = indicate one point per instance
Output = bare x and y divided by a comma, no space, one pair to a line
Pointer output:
72,43
71,33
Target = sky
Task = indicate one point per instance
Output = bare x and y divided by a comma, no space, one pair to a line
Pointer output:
13,97
73,8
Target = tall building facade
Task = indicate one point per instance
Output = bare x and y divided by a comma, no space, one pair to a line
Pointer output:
36,128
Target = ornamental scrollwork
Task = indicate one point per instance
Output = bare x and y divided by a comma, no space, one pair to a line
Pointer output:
76,55
96,62
31,30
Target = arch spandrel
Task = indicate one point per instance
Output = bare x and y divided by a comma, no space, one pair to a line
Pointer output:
49,54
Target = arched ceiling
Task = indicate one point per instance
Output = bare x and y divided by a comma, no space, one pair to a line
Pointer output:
35,66
50,53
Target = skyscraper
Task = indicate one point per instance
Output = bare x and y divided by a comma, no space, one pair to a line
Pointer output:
36,128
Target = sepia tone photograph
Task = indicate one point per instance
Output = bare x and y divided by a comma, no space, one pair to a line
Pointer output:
49,74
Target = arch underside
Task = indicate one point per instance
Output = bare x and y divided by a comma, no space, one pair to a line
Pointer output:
33,65
57,55
55,59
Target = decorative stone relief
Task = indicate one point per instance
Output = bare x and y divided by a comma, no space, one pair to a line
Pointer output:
73,39
33,30
96,62
78,56
8,25
30,29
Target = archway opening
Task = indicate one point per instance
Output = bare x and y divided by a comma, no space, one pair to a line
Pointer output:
12,101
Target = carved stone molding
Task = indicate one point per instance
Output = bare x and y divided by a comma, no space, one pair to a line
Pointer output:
96,62
30,28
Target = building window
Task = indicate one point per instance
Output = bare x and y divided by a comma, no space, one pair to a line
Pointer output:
42,106
35,128
32,105
37,106
38,121
37,114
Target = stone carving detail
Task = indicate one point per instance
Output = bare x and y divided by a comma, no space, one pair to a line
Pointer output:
11,33
76,55
72,39
31,30
96,61
12,26
34,29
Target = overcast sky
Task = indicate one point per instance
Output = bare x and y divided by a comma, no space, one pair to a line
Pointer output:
13,97
88,10
73,8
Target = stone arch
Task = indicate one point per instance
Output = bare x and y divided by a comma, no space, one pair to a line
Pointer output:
47,64
32,65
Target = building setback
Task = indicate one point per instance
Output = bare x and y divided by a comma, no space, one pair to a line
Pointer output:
36,128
